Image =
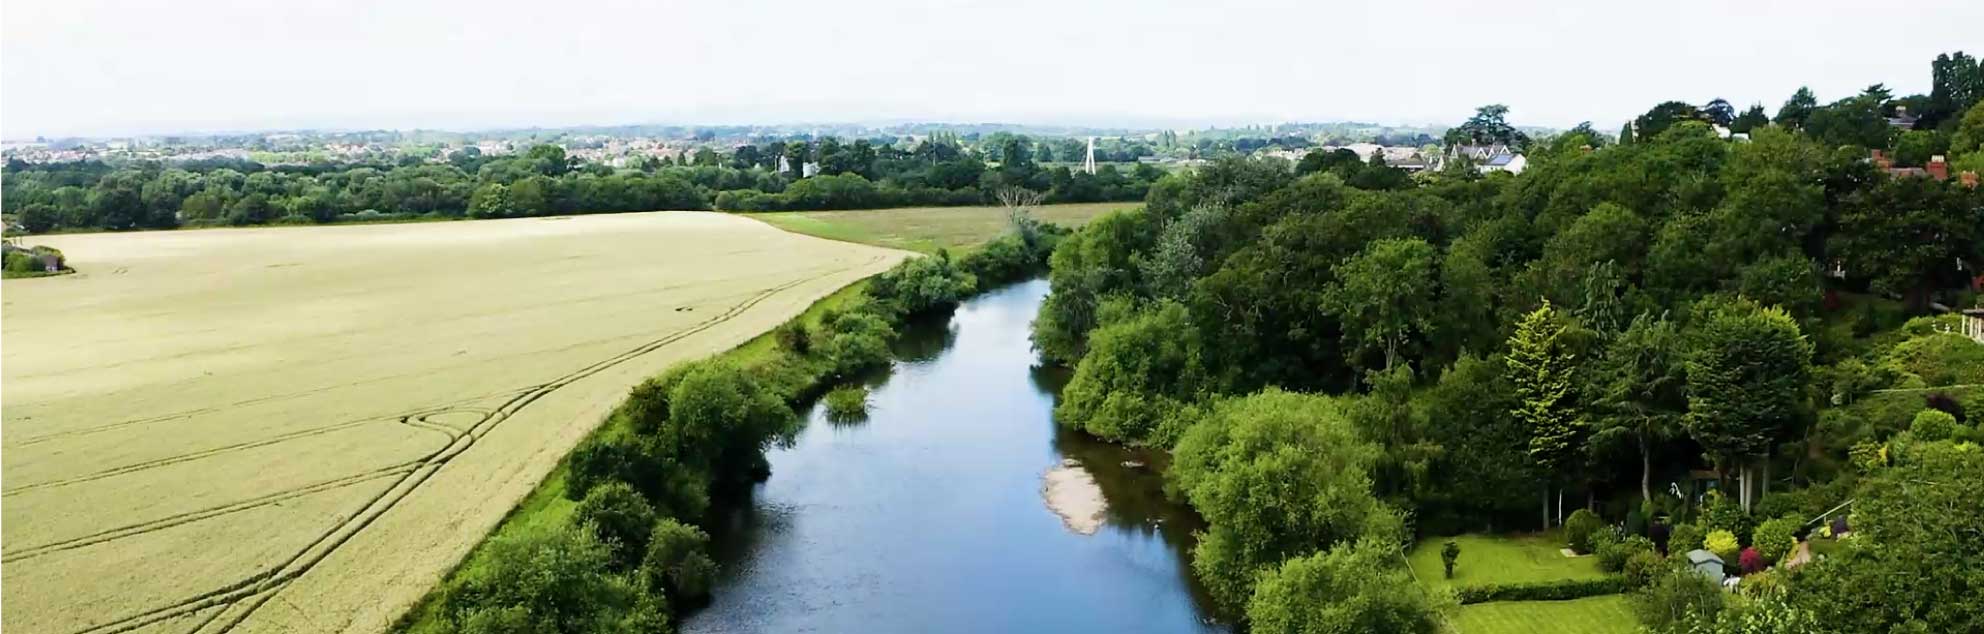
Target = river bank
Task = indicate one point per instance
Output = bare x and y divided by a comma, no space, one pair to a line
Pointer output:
929,515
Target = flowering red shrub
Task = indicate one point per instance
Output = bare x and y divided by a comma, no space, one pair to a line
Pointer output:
1752,561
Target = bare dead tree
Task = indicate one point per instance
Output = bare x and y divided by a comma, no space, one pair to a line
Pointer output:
1019,203
1019,198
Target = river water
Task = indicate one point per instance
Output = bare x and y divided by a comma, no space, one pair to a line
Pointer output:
928,516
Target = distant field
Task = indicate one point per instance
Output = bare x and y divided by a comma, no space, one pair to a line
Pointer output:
1500,559
926,229
1608,614
302,429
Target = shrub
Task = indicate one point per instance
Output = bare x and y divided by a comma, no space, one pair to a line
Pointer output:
1676,598
1721,513
677,560
1612,557
847,403
597,461
1579,528
1554,590
549,579
1368,590
721,419
1774,539
857,339
646,408
1641,568
1449,554
1931,425
1683,538
1722,543
1751,561
795,337
620,517
922,284
1635,522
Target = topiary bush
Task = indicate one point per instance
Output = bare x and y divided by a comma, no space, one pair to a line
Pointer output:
1723,544
1449,554
1579,529
1775,539
1683,538
1932,425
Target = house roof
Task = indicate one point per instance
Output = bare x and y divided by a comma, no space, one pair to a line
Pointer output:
1699,556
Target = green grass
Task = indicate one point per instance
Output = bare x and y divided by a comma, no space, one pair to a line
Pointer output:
1608,614
1500,559
925,229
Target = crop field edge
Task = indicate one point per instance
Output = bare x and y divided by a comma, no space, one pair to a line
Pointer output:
546,502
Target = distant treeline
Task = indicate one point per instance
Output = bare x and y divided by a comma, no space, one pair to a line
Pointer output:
544,181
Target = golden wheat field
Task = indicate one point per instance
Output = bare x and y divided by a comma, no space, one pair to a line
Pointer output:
303,429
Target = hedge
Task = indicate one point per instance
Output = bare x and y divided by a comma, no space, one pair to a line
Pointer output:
1560,590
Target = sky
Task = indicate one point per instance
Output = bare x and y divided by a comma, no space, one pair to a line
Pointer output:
106,68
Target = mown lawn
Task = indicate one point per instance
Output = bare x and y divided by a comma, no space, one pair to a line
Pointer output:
926,229
1608,614
1500,559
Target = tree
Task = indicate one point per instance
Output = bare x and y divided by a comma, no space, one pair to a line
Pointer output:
721,419
1797,109
1133,377
1350,588
1642,390
1916,562
548,159
1903,234
545,580
1386,296
1719,112
1969,136
1747,377
1957,84
490,201
1665,115
1751,119
1484,467
677,561
1276,475
1540,366
1488,126
620,517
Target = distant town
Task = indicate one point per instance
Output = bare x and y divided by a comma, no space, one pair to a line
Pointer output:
1406,147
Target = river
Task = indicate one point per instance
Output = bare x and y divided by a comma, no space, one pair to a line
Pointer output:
928,516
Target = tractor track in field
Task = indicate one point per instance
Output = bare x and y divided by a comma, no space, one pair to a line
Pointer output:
227,607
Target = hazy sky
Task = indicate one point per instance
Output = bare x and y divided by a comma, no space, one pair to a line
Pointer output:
96,67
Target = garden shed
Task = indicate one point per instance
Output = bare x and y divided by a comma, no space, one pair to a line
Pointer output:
1707,563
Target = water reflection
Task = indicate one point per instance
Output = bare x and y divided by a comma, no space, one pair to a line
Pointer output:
929,517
